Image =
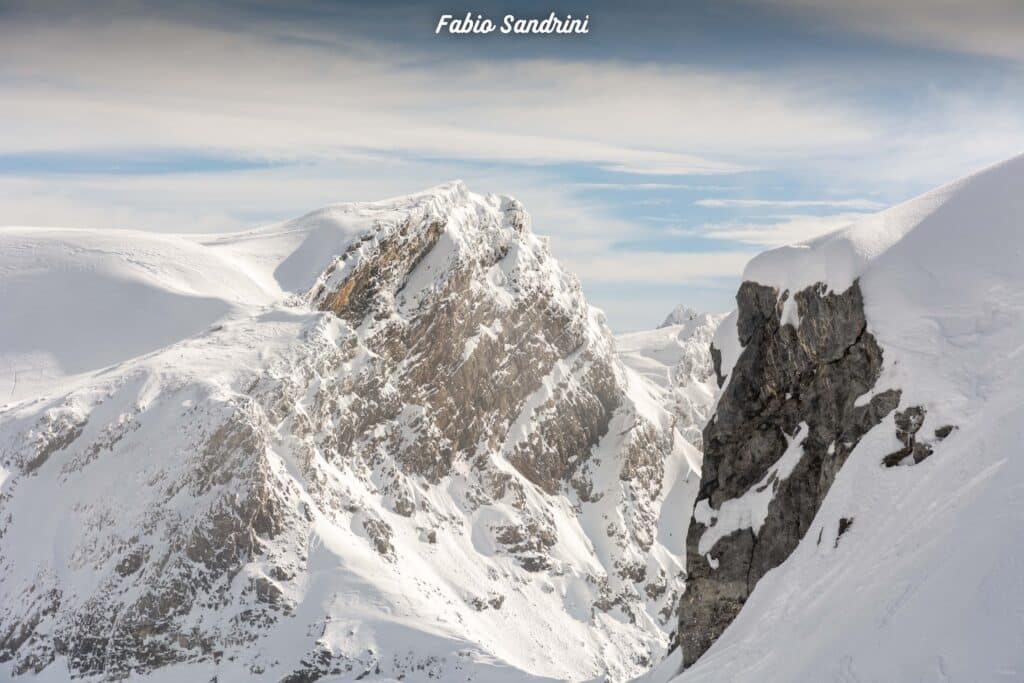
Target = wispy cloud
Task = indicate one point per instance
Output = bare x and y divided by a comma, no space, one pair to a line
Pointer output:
629,187
864,204
677,268
123,83
981,27
790,229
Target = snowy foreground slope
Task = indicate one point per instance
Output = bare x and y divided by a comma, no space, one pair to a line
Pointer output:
913,567
676,359
382,440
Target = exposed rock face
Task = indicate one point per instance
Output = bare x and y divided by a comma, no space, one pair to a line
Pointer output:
471,363
908,424
426,460
788,418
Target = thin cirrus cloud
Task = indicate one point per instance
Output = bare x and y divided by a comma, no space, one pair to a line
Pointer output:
788,229
128,84
862,204
631,187
991,28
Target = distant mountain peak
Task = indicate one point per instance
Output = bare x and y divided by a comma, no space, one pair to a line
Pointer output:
676,359
680,314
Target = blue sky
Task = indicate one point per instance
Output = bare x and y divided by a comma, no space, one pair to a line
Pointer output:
659,152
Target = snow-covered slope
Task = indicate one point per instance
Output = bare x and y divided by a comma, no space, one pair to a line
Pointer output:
385,439
911,568
75,301
676,360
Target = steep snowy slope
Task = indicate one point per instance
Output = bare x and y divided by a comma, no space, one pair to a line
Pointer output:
385,439
895,387
676,359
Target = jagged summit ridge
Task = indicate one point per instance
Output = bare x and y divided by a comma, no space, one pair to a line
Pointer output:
410,451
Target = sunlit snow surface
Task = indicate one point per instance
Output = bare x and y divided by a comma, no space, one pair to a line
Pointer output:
928,583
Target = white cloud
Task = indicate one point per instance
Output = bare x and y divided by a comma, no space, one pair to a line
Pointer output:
673,268
130,84
649,186
992,28
863,204
784,230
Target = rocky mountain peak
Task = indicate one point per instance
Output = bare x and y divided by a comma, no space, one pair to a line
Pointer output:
422,456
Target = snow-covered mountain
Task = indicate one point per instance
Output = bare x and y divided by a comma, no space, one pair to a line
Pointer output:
393,440
860,507
676,359
383,440
681,315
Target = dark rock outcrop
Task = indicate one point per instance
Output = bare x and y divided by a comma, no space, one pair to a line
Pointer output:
908,424
844,525
788,381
